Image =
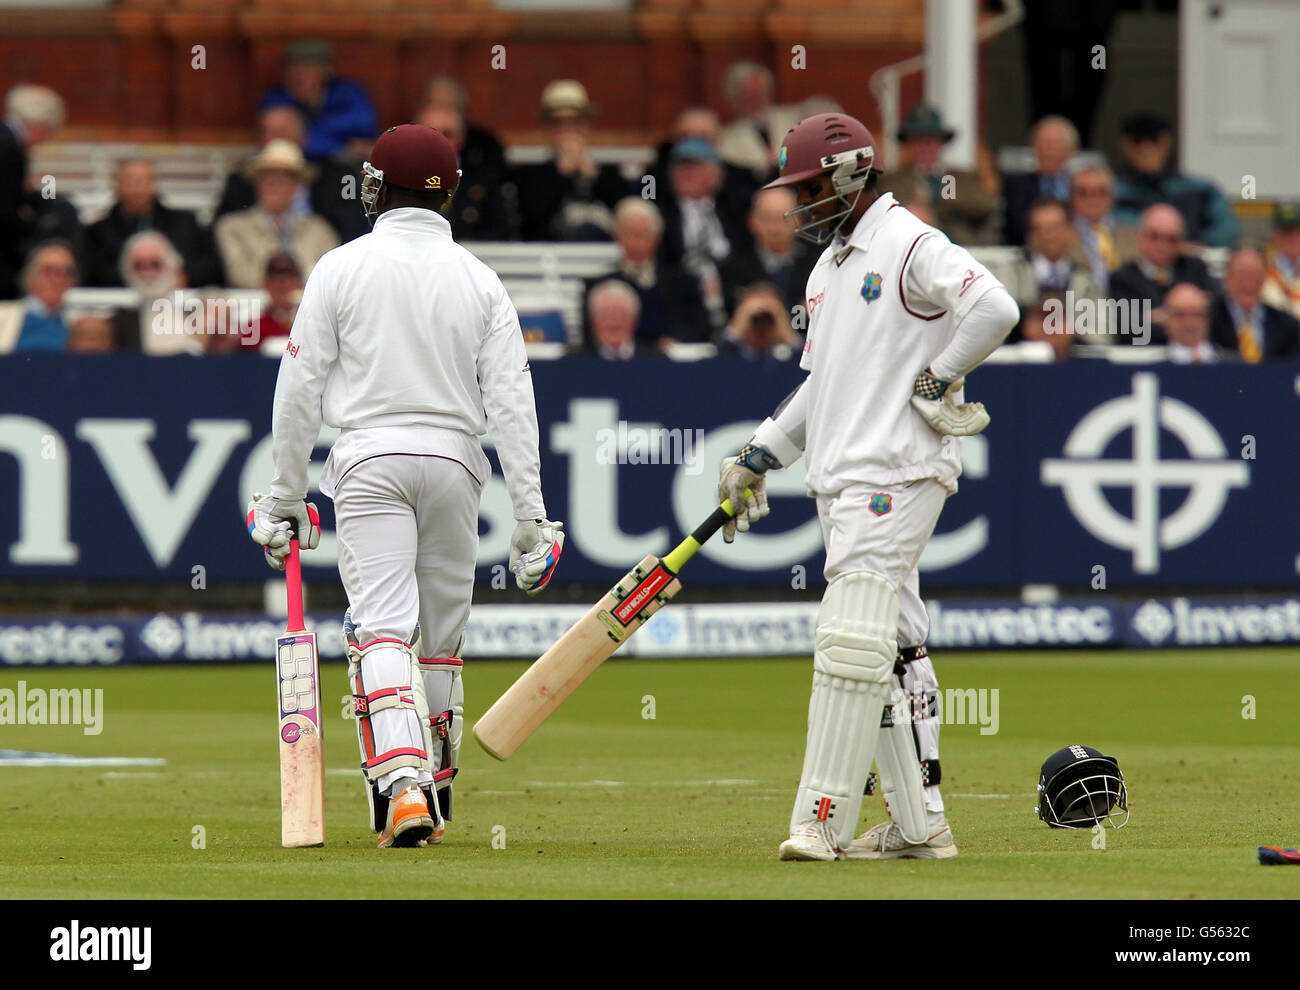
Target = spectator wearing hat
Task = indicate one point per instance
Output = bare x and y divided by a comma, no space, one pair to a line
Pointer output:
753,138
137,208
284,284
1054,142
776,257
478,209
569,197
1103,243
1160,263
1148,176
962,203
1187,328
340,117
1282,275
738,183
38,322
331,193
670,299
1243,322
32,114
248,238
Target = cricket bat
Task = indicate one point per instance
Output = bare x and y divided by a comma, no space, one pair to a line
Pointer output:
542,688
302,753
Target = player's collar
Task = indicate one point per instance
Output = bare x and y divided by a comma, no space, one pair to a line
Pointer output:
867,226
414,218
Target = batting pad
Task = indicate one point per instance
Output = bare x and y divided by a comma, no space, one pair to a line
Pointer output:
900,773
853,677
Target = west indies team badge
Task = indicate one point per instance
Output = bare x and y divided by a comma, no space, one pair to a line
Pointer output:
784,157
880,502
871,286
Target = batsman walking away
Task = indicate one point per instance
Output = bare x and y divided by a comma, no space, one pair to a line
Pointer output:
409,345
898,315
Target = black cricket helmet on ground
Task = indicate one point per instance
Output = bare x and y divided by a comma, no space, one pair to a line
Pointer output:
1078,787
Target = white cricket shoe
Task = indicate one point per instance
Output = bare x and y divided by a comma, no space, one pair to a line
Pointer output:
812,840
886,841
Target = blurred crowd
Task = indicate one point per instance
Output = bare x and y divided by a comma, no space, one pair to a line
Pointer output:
705,254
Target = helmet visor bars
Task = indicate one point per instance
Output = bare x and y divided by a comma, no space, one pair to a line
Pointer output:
371,179
1098,799
849,171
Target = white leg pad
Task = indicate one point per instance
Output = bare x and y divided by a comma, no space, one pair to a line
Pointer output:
392,713
900,771
853,678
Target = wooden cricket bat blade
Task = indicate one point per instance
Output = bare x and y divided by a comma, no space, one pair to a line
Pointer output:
302,748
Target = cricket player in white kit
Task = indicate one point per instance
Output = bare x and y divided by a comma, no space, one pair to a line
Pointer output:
898,315
409,345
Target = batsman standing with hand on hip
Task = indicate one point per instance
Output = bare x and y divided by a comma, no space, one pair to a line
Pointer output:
409,345
898,315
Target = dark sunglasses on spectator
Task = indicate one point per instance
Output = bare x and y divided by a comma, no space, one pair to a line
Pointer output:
1157,235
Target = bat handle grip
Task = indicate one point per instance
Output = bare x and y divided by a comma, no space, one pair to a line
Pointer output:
293,580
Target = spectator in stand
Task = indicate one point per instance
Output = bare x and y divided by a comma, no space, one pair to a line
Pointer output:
1102,244
341,120
248,238
1050,321
612,313
738,184
670,300
776,257
91,333
1054,142
32,114
482,156
569,197
138,208
1187,328
1149,176
962,202
700,231
1046,266
332,193
478,208
1160,263
284,291
753,138
1282,277
1243,322
38,322
760,327
151,265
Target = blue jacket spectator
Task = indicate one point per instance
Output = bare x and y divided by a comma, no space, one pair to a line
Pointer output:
1148,177
338,112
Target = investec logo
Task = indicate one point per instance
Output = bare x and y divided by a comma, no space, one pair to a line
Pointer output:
1083,473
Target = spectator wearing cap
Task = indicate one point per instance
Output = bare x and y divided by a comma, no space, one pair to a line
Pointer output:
1282,275
1046,266
568,197
1148,176
340,117
776,257
1102,243
613,310
753,138
738,183
478,209
670,300
330,193
1187,328
137,208
1243,322
38,322
284,291
760,327
1054,142
962,202
248,238
1160,264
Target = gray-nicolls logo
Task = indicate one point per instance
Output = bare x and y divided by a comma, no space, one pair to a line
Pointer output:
77,944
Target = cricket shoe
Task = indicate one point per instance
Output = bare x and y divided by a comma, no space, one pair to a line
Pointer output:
409,822
886,841
812,840
439,823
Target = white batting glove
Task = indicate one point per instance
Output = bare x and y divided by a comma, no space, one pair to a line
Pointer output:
932,398
535,549
272,521
745,470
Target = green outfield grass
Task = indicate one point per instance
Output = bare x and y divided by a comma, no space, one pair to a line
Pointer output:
605,803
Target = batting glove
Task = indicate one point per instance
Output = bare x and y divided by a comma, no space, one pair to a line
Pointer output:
272,521
932,398
745,471
535,549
